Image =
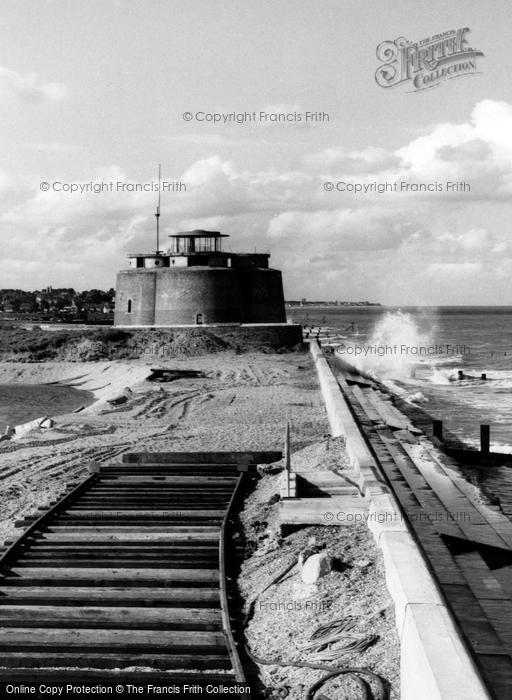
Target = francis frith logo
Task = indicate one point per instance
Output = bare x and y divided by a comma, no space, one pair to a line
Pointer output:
428,62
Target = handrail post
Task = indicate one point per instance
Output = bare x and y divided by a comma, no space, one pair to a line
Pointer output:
289,479
287,459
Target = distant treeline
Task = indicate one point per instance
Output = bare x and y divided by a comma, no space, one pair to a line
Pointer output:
52,299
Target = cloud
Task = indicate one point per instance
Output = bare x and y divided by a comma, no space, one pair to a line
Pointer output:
27,88
427,248
371,160
478,151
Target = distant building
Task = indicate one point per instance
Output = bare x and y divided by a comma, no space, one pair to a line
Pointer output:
195,282
26,307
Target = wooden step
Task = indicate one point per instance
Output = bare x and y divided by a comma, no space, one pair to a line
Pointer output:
107,677
109,596
108,660
90,617
29,576
135,539
62,563
45,638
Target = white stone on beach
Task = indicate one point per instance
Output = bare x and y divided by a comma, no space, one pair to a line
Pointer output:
315,567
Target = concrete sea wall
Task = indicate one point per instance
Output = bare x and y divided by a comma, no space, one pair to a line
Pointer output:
434,664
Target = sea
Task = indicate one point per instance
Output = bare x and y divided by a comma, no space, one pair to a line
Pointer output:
20,403
418,352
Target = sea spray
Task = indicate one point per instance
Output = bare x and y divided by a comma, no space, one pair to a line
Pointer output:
394,348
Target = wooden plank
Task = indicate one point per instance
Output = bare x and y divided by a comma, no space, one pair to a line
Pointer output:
137,493
115,575
389,414
429,505
90,617
126,640
122,595
178,480
471,616
133,538
492,514
407,468
338,511
171,468
140,522
174,506
441,560
327,478
217,458
499,612
99,562
463,602
118,660
497,670
167,481
151,514
366,404
98,677
143,481
163,528
479,577
504,576
150,549
473,524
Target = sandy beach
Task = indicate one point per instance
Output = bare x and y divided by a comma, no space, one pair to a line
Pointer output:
238,402
235,402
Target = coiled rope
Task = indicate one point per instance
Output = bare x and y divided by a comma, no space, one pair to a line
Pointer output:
320,640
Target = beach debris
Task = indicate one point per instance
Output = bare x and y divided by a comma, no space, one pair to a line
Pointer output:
333,640
121,398
308,552
274,499
47,423
164,374
363,563
117,400
417,397
315,567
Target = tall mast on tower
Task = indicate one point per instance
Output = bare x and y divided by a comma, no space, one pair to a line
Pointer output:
157,215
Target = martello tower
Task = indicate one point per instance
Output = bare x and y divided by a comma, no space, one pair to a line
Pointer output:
195,282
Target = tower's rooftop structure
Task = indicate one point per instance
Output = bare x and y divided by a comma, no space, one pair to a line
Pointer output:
197,248
197,241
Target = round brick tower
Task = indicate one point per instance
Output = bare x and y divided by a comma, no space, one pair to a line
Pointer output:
195,283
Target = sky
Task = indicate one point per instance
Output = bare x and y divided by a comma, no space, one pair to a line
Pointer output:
95,92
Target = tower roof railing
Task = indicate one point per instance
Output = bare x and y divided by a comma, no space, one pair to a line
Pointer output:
199,233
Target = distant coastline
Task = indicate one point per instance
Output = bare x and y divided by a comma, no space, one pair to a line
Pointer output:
327,304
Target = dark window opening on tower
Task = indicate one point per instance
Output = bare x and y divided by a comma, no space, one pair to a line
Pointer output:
129,306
